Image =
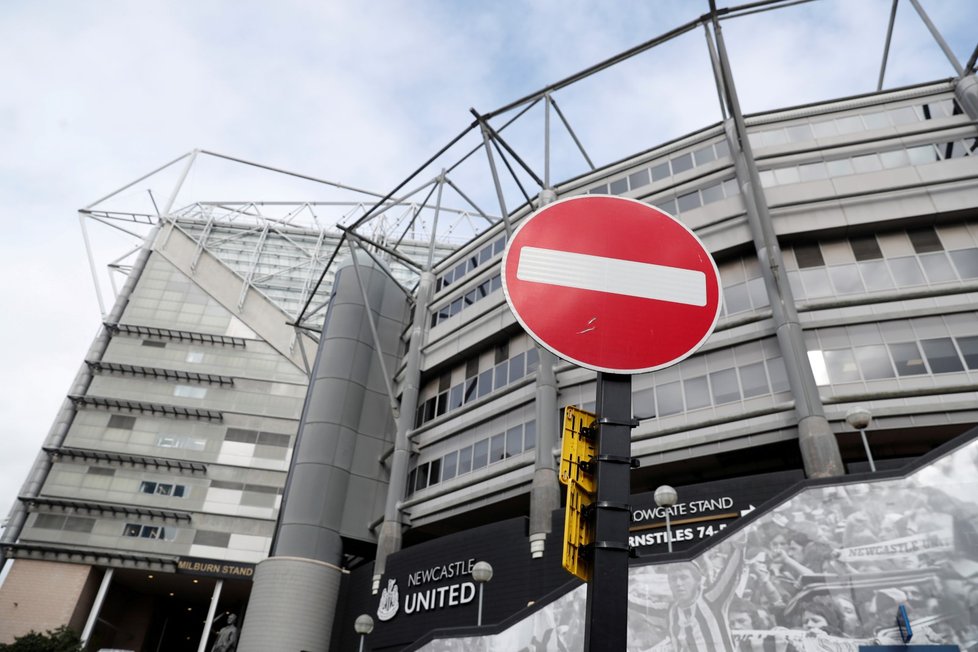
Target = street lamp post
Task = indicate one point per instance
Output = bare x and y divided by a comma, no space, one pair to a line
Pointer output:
859,418
666,496
364,624
481,573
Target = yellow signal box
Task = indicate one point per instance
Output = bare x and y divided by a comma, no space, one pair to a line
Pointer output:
578,532
577,453
577,448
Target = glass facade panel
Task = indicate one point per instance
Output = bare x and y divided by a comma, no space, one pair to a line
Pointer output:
618,187
966,262
839,168
845,279
906,271
874,362
736,299
689,201
841,366
638,179
876,275
465,460
514,441
449,466
660,171
697,393
937,267
753,380
712,193
724,386
812,171
497,448
669,398
816,282
682,163
530,435
907,358
705,155
922,155
942,356
480,454
969,349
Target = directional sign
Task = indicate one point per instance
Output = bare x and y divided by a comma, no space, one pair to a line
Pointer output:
611,284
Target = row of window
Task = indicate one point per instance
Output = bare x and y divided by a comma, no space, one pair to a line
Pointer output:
878,361
850,124
459,304
931,264
474,260
477,385
241,435
483,453
714,388
664,170
245,436
700,197
134,530
163,489
873,162
889,274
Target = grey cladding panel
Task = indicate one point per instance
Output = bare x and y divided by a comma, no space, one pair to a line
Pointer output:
344,425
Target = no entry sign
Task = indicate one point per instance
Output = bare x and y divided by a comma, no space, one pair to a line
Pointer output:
611,284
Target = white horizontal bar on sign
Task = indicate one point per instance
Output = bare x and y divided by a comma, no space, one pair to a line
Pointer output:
612,275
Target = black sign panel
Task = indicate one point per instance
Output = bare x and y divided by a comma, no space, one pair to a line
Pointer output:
215,568
703,510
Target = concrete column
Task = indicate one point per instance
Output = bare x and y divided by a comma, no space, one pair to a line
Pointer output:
292,606
389,539
545,490
819,448
334,482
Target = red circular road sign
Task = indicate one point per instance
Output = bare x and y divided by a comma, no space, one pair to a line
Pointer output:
611,284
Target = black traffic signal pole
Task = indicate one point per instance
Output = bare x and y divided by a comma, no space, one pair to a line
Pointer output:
607,592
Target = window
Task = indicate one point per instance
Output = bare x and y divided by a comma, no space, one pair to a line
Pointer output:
154,344
925,240
941,355
966,262
188,391
865,248
497,448
147,531
212,538
969,349
100,470
618,187
163,489
907,358
724,385
669,398
638,179
874,362
122,422
697,393
449,466
753,380
241,435
480,454
195,356
682,163
514,441
809,255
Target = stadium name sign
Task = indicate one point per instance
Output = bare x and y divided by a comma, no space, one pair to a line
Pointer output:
429,598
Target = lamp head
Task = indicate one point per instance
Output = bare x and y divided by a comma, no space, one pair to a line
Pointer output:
666,496
482,572
859,418
364,624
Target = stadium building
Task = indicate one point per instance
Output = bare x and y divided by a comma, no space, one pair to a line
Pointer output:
297,420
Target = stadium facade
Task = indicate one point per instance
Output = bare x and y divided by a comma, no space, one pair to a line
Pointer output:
301,425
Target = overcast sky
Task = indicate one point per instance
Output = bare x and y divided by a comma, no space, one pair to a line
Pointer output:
95,94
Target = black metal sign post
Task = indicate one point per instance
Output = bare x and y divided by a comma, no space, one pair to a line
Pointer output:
607,592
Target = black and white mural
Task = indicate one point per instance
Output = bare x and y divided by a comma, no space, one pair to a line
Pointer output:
824,571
